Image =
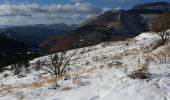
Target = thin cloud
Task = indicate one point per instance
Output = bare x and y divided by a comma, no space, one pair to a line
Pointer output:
53,8
49,12
121,1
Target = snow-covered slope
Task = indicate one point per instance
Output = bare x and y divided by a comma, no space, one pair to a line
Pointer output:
99,73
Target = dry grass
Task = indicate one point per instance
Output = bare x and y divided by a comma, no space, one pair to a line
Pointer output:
84,70
7,88
167,51
162,55
79,72
66,88
38,84
33,85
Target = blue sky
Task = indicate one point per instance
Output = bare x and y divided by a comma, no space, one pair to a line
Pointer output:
21,12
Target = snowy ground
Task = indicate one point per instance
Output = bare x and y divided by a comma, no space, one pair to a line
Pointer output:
100,73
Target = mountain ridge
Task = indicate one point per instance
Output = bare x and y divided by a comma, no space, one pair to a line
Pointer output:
37,33
109,26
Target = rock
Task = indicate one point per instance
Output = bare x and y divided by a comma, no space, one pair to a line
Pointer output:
67,77
22,75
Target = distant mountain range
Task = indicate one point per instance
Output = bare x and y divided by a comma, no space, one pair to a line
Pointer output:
36,33
110,26
13,50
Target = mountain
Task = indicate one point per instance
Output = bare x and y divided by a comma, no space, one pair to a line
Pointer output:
13,50
153,6
110,26
6,26
20,43
37,33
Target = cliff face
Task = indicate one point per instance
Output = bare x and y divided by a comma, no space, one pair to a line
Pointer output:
151,11
110,26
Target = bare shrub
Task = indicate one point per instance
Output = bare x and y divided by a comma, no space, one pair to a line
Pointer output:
105,44
21,75
101,66
161,26
55,86
87,63
16,68
76,81
79,82
118,63
20,95
38,64
140,73
104,57
59,63
95,58
163,58
66,88
6,75
83,51
125,69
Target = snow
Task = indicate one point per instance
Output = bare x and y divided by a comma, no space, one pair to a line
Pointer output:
100,73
